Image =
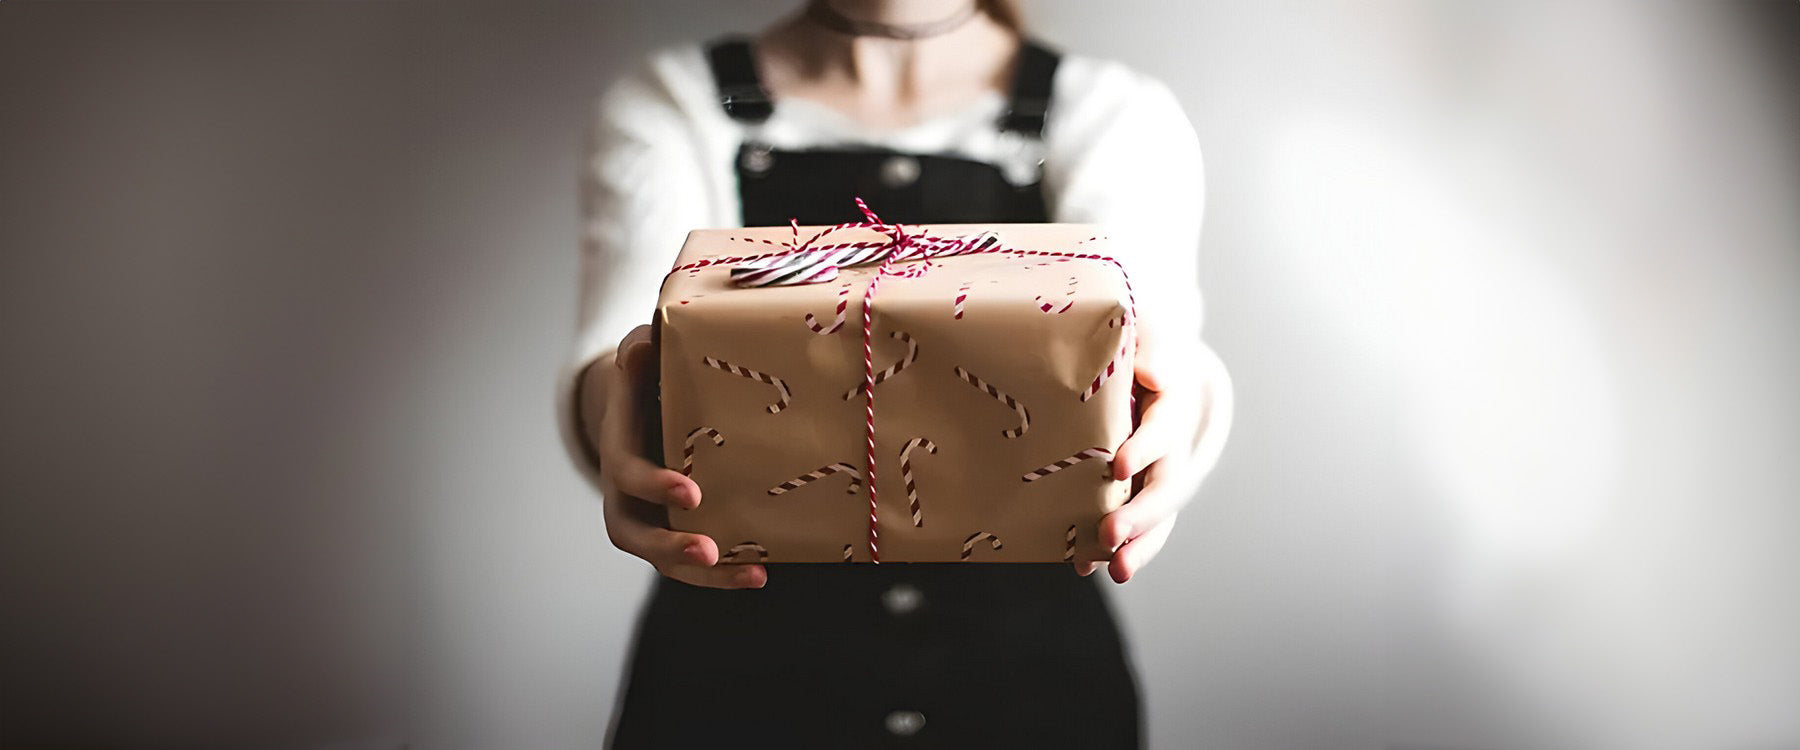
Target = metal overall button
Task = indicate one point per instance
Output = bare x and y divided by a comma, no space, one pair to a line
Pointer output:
904,723
757,158
899,171
902,599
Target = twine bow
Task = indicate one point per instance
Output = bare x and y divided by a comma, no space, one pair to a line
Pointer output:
805,263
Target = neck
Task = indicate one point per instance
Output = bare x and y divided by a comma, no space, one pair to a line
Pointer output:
883,67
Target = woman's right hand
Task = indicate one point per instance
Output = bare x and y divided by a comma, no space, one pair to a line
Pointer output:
639,492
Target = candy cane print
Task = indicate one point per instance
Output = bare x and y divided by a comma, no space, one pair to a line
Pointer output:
1049,307
1002,397
843,303
846,553
912,353
818,474
687,448
969,544
962,295
1069,544
782,396
906,474
1112,366
1052,468
762,553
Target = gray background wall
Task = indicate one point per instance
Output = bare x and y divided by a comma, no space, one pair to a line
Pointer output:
1508,290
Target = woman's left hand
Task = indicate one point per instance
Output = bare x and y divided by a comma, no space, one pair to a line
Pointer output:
1185,398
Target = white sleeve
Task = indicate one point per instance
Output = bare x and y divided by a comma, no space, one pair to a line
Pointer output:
1124,156
642,189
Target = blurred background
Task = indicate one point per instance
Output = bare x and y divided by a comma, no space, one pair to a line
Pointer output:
1509,291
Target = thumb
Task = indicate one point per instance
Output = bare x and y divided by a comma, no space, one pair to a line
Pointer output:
636,350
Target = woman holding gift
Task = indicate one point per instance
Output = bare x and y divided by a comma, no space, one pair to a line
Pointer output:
934,111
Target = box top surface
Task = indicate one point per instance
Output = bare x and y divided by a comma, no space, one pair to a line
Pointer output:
694,285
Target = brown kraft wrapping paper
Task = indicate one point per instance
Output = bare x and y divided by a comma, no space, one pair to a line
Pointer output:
763,405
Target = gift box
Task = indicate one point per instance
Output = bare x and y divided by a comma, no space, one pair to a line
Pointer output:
1000,359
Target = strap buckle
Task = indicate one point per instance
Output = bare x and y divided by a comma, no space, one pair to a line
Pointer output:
1026,115
745,103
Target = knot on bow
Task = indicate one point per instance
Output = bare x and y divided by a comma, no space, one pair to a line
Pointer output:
809,262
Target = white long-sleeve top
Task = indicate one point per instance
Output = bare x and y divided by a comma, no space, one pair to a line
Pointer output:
1117,151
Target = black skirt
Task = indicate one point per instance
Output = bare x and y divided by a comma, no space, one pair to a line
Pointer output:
937,655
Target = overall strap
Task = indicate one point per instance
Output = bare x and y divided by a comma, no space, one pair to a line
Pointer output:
1029,105
740,90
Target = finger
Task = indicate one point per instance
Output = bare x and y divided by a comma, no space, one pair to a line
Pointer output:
1086,568
1088,549
1163,494
637,477
1138,552
637,527
620,458
719,576
1153,438
633,348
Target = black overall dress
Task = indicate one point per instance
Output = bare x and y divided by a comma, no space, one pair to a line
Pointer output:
913,655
